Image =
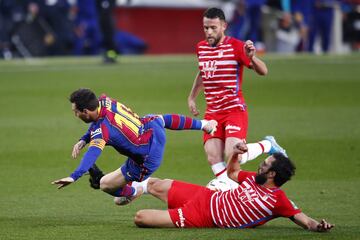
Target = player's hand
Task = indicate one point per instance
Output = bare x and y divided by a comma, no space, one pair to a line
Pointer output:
63,182
324,226
77,147
192,107
250,49
240,148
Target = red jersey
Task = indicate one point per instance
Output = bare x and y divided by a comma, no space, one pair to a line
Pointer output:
250,204
221,69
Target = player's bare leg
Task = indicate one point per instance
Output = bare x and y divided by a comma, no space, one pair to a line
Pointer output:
159,188
112,181
153,218
214,148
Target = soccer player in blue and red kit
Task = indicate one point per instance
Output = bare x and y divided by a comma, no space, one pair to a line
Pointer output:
142,140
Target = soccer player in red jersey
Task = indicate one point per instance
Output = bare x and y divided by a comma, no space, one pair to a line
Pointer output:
221,62
257,200
141,139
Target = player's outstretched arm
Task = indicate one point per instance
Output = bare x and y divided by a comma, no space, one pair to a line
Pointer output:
258,65
63,182
197,86
311,224
77,148
233,167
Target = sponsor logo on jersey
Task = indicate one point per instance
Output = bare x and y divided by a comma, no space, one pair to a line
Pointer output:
209,68
232,128
96,132
181,218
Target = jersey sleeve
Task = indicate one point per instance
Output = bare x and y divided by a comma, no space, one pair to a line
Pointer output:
86,136
245,174
240,54
285,207
97,144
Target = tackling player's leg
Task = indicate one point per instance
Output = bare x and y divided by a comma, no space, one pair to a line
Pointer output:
214,148
153,218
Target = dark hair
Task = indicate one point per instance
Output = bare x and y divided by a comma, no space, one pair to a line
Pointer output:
214,13
84,99
283,167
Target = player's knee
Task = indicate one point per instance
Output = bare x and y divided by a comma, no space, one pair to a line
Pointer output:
139,219
213,158
150,186
105,184
159,186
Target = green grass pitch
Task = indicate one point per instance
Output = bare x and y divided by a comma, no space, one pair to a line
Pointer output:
310,103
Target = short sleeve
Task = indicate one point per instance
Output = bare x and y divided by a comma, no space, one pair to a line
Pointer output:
239,49
285,207
245,174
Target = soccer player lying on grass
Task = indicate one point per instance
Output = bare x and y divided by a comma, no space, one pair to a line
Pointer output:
142,140
257,200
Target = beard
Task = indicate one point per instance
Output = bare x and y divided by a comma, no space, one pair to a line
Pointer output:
215,41
261,178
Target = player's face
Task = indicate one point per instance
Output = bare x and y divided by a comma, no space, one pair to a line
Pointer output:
265,165
83,115
214,29
263,170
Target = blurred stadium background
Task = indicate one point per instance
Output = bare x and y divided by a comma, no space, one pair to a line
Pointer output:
89,27
310,102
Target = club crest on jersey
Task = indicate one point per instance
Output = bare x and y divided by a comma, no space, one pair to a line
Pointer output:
248,195
209,68
221,53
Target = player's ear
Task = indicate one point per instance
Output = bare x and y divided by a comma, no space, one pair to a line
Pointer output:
224,25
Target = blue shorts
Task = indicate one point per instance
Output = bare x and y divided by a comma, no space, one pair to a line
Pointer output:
133,171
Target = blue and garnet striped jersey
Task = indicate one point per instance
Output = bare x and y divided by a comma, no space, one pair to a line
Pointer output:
117,126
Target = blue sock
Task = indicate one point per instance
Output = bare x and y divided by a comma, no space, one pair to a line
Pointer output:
181,122
125,191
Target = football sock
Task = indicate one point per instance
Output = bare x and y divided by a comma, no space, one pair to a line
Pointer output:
125,191
142,184
224,177
255,150
218,168
181,122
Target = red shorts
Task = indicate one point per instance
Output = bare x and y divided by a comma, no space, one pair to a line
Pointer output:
189,205
232,124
